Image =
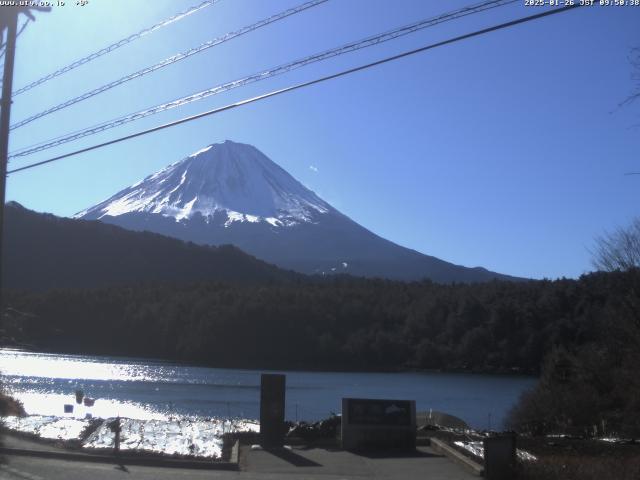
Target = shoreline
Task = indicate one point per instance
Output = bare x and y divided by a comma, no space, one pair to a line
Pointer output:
499,372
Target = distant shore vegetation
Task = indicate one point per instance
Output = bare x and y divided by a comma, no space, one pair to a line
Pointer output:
582,336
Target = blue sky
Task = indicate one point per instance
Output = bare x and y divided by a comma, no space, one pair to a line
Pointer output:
506,151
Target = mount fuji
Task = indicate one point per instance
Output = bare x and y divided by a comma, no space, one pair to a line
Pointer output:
231,193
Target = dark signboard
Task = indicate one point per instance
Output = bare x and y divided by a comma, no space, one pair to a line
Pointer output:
379,412
369,424
500,457
272,398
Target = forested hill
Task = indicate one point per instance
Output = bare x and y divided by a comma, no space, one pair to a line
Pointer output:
338,323
43,251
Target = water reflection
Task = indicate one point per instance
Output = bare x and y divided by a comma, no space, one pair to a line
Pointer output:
52,404
31,364
147,389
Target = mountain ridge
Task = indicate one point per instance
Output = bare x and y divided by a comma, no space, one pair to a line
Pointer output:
231,193
42,251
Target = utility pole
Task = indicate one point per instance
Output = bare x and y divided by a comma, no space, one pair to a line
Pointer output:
8,22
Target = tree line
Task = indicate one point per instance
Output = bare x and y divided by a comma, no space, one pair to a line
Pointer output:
340,323
581,336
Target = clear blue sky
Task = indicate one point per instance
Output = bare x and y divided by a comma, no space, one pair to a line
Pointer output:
506,151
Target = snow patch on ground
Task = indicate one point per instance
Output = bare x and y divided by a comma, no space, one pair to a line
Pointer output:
477,449
51,428
185,436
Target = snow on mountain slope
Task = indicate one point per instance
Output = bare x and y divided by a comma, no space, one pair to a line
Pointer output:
231,193
228,177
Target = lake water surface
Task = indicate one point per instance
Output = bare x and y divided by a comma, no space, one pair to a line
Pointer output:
151,389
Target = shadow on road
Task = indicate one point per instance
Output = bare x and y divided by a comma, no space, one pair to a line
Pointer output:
291,457
397,454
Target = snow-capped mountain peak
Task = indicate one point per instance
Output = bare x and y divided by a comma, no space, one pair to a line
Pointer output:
231,178
231,193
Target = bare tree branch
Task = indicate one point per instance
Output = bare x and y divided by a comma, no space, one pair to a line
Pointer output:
634,60
618,250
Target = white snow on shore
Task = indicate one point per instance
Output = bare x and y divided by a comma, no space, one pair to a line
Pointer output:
184,436
51,428
477,449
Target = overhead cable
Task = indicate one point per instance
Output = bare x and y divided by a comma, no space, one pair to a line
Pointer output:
116,45
265,74
299,86
171,60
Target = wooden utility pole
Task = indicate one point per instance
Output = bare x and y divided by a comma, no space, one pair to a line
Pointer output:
8,23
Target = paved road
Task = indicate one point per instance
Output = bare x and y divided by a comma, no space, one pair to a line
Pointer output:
337,464
34,468
295,463
312,464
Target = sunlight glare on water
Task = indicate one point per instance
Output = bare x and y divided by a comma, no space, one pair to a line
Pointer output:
30,364
148,389
51,404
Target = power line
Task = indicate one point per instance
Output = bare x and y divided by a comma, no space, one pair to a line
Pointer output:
263,75
171,60
116,45
40,146
302,85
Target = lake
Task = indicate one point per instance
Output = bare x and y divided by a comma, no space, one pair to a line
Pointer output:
151,389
